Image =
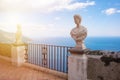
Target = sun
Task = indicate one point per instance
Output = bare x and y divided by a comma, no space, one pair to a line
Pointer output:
11,21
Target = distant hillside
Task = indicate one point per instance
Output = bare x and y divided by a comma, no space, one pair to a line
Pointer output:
7,37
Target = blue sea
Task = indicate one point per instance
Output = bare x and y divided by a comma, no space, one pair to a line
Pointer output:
59,61
93,43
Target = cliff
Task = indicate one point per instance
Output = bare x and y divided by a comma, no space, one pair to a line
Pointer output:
7,37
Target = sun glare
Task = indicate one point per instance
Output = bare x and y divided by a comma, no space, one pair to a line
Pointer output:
11,21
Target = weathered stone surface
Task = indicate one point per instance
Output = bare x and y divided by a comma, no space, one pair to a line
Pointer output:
76,51
109,57
18,55
96,70
77,67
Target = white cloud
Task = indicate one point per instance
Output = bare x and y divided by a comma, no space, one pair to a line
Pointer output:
79,5
38,30
57,18
44,30
118,11
111,11
42,5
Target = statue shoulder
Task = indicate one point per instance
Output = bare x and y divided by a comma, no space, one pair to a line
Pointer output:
84,28
73,30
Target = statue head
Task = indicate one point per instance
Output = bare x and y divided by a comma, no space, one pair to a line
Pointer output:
18,27
77,19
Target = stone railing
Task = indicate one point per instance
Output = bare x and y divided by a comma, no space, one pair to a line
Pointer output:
94,65
106,56
87,64
103,65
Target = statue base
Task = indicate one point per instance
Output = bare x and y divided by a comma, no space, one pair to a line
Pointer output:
77,64
76,51
18,54
16,44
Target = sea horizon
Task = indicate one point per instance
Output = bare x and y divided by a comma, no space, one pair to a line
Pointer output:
93,43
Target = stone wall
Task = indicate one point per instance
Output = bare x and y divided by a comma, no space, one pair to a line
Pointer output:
5,49
105,66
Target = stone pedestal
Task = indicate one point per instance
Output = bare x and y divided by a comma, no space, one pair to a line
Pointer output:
77,65
18,54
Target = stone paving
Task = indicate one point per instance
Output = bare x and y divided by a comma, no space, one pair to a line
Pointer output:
10,72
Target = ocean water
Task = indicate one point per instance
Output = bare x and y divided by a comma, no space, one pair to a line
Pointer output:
94,43
35,54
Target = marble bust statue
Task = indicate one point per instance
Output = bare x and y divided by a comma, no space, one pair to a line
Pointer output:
79,33
18,35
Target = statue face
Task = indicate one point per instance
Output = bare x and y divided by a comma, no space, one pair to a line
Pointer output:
18,27
77,19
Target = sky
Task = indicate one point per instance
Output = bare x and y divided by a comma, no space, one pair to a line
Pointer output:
54,18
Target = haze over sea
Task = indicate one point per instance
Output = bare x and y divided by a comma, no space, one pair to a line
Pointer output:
94,43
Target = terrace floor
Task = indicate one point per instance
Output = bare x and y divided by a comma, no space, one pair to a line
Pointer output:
10,72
